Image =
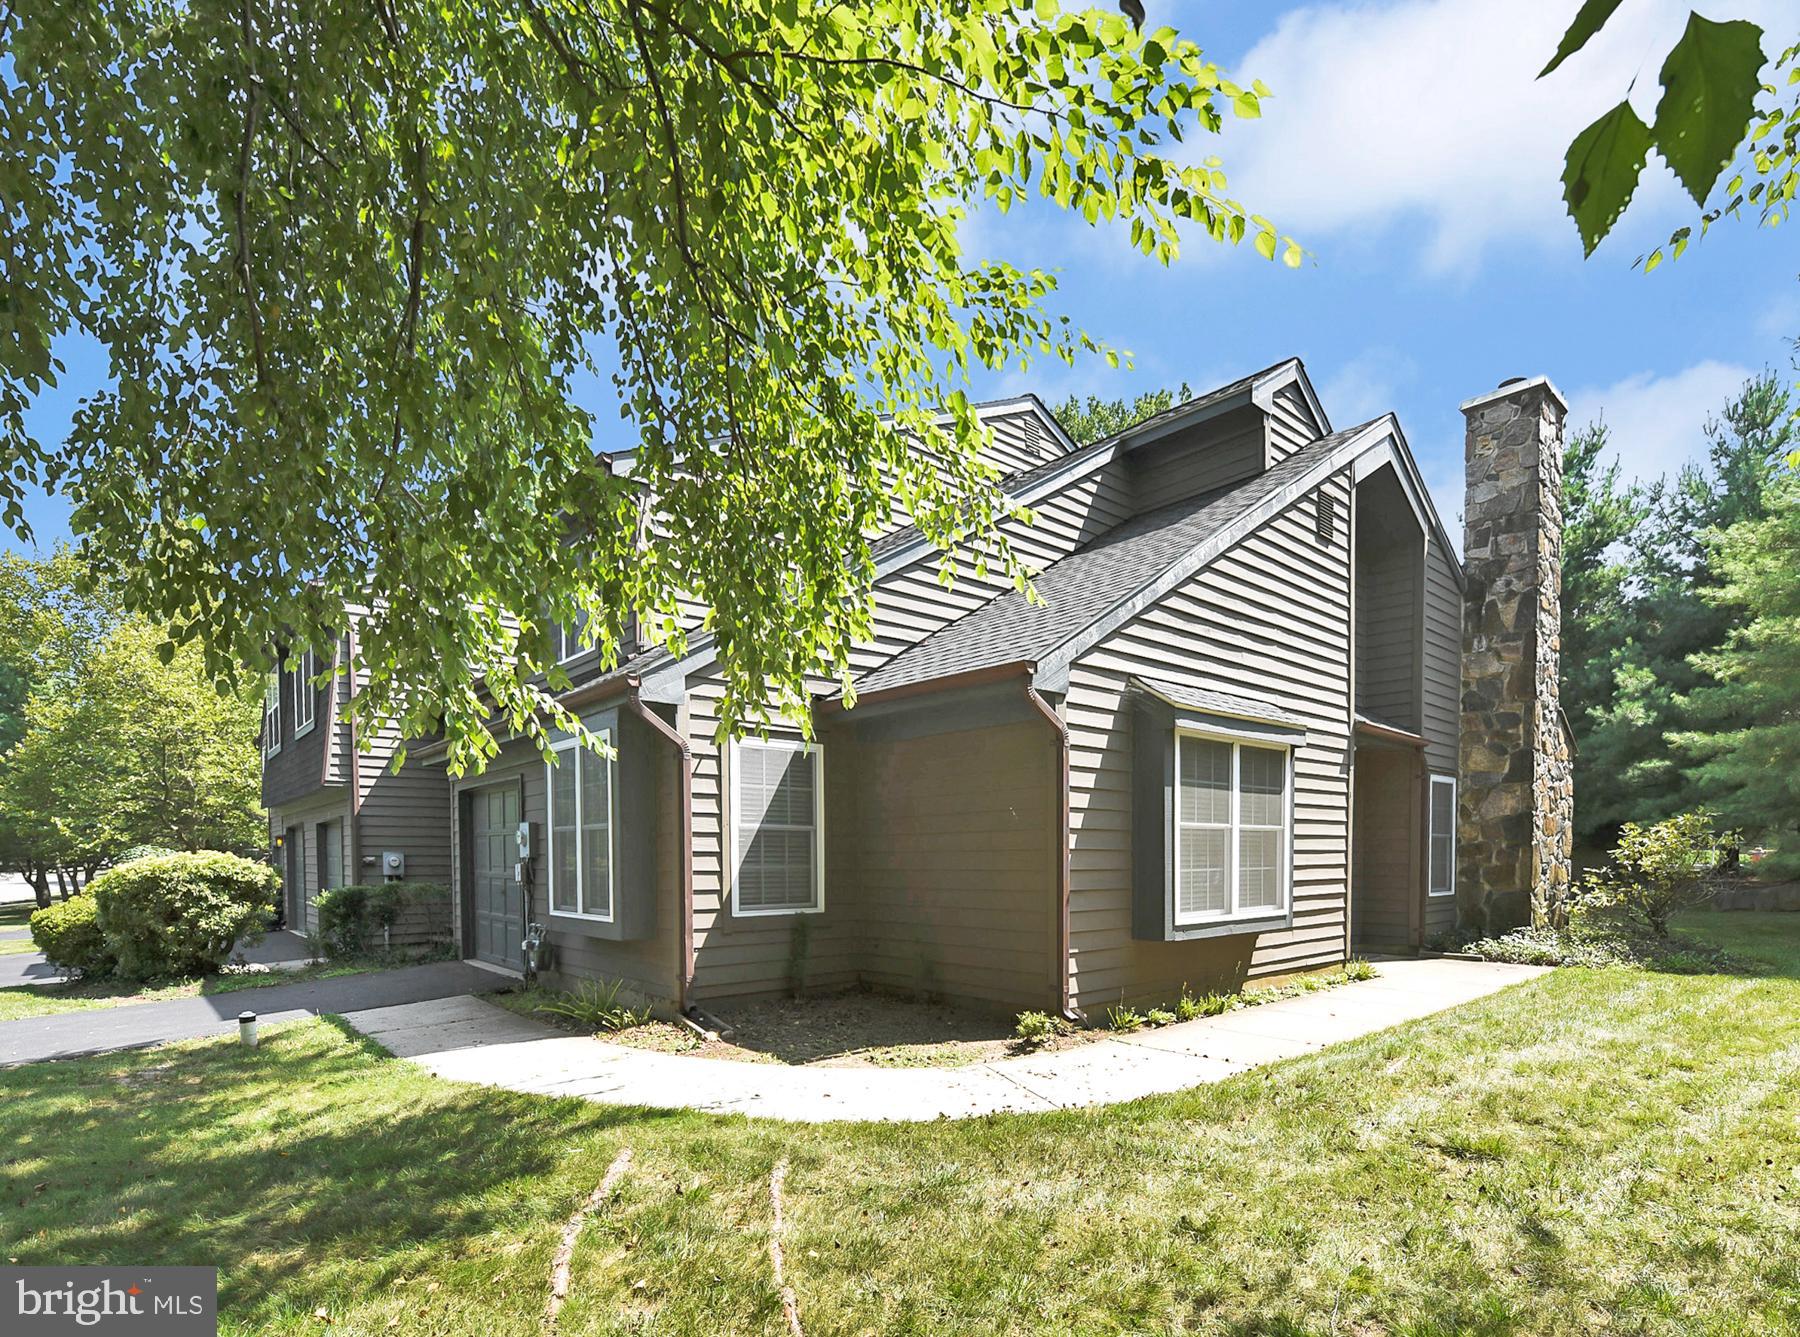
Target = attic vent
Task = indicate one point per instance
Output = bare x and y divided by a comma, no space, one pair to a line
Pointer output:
1031,432
1325,521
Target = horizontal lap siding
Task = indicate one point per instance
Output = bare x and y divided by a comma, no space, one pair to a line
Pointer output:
306,817
1292,424
647,965
1387,632
1268,620
407,811
949,865
750,956
1211,455
1443,691
1387,841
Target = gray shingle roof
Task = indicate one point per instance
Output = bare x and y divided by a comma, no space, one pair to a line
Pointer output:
1077,590
1219,703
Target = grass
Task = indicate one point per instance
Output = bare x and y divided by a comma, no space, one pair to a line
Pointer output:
16,914
47,1000
1598,1150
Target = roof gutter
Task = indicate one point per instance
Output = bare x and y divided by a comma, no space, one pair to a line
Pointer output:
1015,668
684,910
1060,811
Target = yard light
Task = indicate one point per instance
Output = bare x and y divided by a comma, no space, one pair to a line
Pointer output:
247,1028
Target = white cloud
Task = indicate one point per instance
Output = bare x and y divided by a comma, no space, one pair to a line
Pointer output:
1656,423
1427,117
1366,386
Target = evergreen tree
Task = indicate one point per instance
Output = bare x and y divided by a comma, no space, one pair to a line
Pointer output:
1680,613
1601,515
1746,710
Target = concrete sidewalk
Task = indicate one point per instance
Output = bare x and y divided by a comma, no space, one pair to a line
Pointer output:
466,1039
136,1025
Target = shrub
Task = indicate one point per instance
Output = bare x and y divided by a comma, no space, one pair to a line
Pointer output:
67,933
1035,1028
181,914
353,919
595,1004
1657,870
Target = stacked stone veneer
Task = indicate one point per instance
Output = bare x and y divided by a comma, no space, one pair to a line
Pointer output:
1516,798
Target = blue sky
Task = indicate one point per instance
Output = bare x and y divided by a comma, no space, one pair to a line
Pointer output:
1410,148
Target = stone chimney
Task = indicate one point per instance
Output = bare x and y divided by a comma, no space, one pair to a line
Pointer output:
1516,796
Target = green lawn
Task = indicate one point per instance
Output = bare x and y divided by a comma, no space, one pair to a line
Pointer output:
45,1000
16,914
1597,1151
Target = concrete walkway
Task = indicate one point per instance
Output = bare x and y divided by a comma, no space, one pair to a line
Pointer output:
466,1039
137,1025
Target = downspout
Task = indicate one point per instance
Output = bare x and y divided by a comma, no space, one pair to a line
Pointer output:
355,759
1061,808
684,965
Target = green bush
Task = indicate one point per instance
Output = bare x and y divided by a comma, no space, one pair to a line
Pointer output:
352,919
1657,870
67,933
181,914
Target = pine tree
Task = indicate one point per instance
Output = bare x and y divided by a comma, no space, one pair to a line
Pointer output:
1679,612
1746,712
1601,515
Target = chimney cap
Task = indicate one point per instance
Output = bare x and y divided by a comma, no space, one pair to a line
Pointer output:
1518,385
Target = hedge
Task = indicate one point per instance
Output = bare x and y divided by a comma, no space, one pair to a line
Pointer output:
68,933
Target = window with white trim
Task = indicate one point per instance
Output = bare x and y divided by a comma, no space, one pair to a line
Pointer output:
305,695
583,816
1231,829
777,827
568,639
1443,835
272,715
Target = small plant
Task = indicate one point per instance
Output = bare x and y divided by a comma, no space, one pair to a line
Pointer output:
1190,1008
357,919
595,1005
1159,1016
799,948
1122,1018
1656,870
1356,968
1037,1028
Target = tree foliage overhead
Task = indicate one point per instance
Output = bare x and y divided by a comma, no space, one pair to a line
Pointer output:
1712,80
350,260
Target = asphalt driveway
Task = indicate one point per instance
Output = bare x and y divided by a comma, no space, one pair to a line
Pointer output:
138,1025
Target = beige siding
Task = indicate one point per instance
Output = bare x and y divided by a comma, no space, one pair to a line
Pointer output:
1268,620
948,861
1211,455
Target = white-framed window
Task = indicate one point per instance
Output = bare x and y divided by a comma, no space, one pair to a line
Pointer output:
777,820
1232,853
272,715
1442,880
584,809
305,695
568,639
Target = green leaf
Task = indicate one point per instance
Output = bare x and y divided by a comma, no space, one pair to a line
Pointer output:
1709,91
1591,18
1602,170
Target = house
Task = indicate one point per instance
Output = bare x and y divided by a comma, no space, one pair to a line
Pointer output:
1225,742
338,811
